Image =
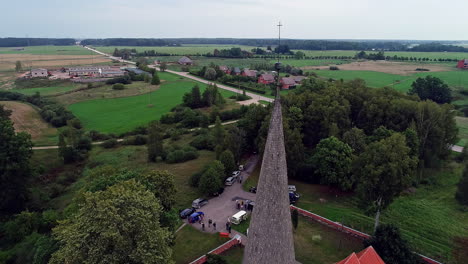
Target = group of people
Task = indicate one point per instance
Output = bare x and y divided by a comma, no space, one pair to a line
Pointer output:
210,223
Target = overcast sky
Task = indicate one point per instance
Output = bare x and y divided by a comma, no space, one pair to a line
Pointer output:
302,19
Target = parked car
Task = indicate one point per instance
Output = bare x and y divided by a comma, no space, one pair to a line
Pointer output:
292,188
235,174
253,189
219,192
229,181
198,203
186,212
238,217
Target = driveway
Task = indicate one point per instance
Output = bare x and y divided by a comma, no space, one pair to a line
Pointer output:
220,208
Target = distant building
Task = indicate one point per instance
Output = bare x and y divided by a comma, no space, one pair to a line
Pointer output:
266,78
298,79
249,73
463,64
185,61
39,73
287,83
93,71
367,256
225,69
236,71
137,71
17,49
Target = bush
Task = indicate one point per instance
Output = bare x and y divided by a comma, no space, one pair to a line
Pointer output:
118,86
334,68
204,141
110,143
421,69
123,79
136,140
177,155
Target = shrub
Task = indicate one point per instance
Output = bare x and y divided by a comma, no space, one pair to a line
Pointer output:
118,86
177,155
135,140
110,143
204,141
334,68
123,79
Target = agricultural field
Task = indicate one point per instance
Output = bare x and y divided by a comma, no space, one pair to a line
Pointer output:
47,91
8,61
26,118
430,55
122,114
47,50
181,50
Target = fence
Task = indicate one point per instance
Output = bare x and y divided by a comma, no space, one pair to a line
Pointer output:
345,229
234,241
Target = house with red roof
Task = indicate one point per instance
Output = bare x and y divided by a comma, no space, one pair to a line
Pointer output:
266,78
225,69
367,256
298,79
249,73
287,83
463,64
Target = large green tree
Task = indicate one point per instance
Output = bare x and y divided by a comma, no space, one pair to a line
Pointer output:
162,185
210,181
227,159
15,152
155,141
383,170
356,139
332,161
391,247
118,225
155,80
431,88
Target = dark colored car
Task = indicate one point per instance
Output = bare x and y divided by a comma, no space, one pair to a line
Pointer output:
219,192
187,212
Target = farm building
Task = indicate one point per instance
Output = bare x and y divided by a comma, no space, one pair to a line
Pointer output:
367,256
298,79
266,78
463,64
225,69
185,61
39,73
249,73
102,71
137,71
287,83
236,71
113,72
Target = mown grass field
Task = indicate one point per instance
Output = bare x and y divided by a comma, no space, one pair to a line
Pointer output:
430,55
48,50
462,124
45,91
429,219
123,114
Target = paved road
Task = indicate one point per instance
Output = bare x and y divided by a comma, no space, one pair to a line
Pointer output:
220,208
187,75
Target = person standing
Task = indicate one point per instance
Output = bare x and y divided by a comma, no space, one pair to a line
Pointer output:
209,222
203,226
227,225
214,225
229,229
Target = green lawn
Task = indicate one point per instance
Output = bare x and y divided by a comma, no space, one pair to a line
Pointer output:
462,124
44,91
191,243
48,50
123,114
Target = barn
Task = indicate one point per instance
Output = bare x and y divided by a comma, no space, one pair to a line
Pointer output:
266,78
287,83
463,64
185,61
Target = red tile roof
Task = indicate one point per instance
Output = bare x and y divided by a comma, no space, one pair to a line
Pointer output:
367,256
288,81
268,77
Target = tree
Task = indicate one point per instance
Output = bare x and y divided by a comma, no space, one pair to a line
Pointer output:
218,132
299,55
210,74
384,169
15,152
332,160
196,97
210,181
155,141
18,66
227,159
163,66
462,188
118,225
356,139
155,80
431,88
391,247
147,78
162,185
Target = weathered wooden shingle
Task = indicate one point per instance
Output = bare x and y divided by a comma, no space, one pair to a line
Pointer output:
270,238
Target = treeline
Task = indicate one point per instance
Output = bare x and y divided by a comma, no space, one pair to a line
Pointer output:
24,42
52,112
128,42
437,47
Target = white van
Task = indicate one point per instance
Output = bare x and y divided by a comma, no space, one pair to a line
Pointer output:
238,217
229,181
